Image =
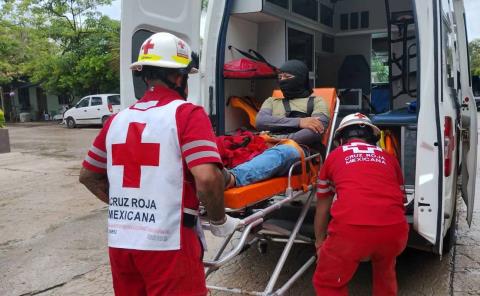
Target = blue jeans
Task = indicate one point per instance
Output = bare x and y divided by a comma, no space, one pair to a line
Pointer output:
273,162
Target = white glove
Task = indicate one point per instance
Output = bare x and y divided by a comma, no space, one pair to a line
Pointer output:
226,228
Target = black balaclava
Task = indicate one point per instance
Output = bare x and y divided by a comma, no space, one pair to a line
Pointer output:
298,86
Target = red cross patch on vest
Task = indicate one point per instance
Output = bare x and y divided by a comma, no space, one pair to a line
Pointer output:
133,154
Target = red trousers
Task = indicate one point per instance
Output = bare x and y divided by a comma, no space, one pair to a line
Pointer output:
347,245
158,273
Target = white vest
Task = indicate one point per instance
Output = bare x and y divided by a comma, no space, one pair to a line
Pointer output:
145,208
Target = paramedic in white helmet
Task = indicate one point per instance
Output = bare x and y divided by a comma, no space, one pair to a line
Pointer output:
149,163
367,216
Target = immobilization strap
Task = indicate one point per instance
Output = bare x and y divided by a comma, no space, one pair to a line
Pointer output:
288,110
286,105
304,176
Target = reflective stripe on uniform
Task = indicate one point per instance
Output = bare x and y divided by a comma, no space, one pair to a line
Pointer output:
198,143
98,152
95,163
201,154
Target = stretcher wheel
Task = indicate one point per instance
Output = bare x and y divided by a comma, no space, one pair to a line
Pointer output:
262,246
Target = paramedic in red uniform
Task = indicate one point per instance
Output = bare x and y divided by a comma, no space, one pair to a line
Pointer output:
367,216
149,163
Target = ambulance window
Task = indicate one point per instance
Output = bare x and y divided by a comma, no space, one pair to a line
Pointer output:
281,3
300,47
354,20
137,41
326,15
96,101
344,21
448,50
379,62
328,43
306,8
365,19
476,85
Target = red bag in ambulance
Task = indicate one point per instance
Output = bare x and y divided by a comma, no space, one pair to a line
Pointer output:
253,66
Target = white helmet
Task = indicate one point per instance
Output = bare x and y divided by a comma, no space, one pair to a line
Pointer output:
356,119
164,50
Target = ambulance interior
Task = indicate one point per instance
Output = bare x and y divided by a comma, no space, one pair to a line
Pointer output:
347,45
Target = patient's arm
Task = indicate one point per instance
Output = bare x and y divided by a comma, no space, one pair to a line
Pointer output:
265,121
307,136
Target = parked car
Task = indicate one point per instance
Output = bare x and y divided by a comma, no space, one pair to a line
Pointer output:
93,109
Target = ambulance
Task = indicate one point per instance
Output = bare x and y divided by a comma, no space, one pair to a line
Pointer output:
403,62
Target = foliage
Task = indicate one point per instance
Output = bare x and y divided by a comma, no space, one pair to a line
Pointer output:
65,45
474,50
379,69
19,44
2,119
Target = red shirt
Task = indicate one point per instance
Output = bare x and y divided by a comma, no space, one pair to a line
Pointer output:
195,134
368,182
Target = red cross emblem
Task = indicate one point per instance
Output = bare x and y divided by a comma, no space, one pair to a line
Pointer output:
147,46
134,154
360,148
360,115
181,44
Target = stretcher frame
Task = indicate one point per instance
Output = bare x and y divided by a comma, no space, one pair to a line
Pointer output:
254,224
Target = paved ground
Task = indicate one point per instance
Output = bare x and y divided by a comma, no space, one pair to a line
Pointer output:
53,238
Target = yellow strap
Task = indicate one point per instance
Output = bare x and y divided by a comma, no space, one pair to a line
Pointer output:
275,141
381,142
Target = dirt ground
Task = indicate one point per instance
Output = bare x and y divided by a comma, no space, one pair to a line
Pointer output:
53,232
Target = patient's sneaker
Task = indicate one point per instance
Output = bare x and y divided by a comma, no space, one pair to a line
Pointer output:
228,178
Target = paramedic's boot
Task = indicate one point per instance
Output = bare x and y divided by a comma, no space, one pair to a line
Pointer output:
228,178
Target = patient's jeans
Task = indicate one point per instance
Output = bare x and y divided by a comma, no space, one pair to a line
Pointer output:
273,162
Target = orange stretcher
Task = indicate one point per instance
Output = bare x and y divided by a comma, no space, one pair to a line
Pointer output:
258,222
241,197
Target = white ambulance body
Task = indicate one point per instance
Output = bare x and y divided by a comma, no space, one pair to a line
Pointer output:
423,42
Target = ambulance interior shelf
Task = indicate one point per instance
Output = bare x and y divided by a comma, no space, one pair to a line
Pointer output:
252,66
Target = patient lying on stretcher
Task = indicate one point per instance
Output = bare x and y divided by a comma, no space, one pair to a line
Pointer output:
298,116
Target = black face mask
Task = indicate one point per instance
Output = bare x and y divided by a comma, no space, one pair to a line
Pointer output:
298,86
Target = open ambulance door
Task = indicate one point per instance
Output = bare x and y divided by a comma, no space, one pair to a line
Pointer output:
468,153
212,60
468,121
428,203
139,20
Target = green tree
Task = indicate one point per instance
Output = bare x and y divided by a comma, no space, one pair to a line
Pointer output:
474,49
78,48
20,43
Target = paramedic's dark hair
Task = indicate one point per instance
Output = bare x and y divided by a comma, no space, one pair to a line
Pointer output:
151,73
356,131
